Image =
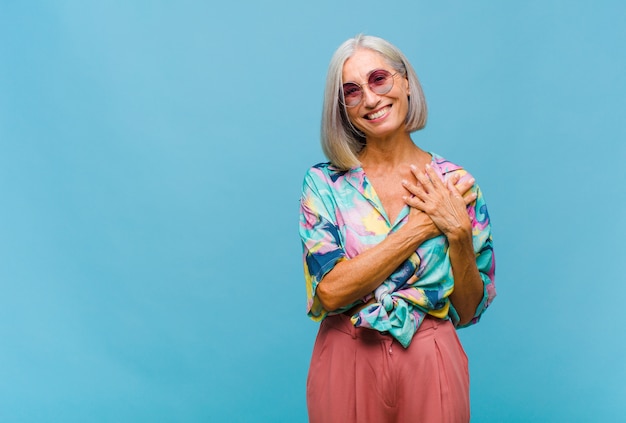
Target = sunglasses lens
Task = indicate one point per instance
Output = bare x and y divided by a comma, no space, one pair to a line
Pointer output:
380,81
351,94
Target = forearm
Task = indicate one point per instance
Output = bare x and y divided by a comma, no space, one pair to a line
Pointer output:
468,285
355,278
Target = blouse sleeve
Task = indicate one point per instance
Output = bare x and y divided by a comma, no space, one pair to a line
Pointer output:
485,259
321,243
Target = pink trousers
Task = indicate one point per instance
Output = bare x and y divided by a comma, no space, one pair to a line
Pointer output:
361,375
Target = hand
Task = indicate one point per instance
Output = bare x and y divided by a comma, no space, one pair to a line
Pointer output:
441,202
464,186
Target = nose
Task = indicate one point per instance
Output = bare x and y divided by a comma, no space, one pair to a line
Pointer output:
370,98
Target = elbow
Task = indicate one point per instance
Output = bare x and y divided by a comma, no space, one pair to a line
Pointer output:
328,301
466,313
465,319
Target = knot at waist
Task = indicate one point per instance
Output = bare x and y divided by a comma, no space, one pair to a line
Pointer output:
390,314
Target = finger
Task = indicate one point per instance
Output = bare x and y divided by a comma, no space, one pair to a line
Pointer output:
413,189
422,178
414,202
469,198
418,188
464,184
433,176
415,171
466,198
412,280
454,178
453,190
464,187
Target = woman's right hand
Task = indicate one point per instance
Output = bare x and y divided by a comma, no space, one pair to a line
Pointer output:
420,221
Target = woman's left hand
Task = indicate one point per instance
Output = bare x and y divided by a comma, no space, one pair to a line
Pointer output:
442,202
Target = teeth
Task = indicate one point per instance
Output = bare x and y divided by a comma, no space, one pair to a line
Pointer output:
377,114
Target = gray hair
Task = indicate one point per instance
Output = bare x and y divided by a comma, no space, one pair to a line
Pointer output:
341,141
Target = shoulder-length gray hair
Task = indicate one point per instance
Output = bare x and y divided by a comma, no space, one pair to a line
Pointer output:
341,141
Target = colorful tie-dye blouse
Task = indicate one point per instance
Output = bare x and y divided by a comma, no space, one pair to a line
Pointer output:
341,216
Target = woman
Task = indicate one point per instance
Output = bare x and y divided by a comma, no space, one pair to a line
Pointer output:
397,251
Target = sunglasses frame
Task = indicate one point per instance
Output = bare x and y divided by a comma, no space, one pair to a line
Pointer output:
388,75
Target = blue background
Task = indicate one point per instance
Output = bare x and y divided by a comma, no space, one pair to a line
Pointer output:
151,158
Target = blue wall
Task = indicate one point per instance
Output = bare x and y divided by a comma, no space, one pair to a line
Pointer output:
151,156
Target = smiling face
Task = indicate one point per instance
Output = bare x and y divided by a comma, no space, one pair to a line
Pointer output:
377,115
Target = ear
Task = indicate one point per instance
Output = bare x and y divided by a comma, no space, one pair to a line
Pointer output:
406,85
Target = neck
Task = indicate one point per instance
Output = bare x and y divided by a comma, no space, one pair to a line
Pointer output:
389,152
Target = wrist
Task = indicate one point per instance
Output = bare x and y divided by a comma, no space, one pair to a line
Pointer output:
414,236
459,235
